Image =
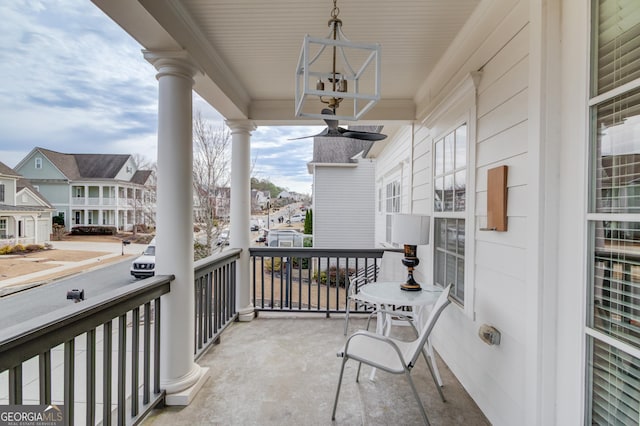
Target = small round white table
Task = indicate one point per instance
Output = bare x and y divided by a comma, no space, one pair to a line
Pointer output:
389,296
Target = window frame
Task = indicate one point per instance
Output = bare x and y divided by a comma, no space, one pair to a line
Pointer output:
601,210
38,163
458,108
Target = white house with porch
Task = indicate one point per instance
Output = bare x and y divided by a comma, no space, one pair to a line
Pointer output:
91,189
548,89
25,215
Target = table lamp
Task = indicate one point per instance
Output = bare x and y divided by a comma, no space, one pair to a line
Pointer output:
411,231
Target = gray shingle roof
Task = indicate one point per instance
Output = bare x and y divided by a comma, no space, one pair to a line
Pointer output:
91,166
337,150
340,150
6,170
141,176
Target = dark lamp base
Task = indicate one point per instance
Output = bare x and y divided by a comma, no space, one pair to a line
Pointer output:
410,287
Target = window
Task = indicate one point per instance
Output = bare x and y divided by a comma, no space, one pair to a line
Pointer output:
392,205
1,192
38,163
3,228
613,305
449,198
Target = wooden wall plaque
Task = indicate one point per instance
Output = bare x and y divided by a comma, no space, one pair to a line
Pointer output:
497,198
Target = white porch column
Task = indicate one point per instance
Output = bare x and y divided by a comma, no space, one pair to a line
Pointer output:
239,234
180,376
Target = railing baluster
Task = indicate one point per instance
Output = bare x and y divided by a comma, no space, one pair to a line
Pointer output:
122,368
91,377
69,383
44,362
107,348
209,305
135,360
146,390
15,385
156,342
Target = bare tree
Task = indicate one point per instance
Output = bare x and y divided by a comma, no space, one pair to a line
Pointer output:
210,175
145,203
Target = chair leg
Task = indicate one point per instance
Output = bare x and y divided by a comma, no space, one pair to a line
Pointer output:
433,364
358,372
335,403
346,316
433,375
415,394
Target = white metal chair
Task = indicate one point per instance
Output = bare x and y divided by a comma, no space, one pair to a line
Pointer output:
361,277
390,269
390,354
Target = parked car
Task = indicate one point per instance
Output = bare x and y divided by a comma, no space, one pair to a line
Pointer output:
223,238
145,265
262,236
296,218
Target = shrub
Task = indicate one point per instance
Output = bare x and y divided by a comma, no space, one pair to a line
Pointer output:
334,276
94,230
58,220
273,264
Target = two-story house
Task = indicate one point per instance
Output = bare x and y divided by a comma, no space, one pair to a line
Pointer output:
90,189
343,193
25,215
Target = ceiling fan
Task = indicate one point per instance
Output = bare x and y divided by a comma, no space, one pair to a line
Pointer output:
333,130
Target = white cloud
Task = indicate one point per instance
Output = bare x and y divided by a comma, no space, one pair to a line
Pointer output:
73,81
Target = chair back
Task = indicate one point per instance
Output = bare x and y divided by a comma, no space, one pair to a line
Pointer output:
442,302
391,267
362,276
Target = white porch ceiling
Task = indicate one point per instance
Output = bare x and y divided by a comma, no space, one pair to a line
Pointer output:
248,49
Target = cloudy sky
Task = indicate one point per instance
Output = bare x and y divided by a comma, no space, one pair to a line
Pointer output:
75,82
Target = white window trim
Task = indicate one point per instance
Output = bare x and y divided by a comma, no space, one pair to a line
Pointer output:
38,163
457,109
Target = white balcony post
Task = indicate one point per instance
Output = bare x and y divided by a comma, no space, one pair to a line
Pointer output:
180,376
239,234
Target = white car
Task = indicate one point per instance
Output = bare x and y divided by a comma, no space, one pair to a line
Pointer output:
296,218
145,265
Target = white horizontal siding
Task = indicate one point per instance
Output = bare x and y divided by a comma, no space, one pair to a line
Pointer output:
344,206
494,376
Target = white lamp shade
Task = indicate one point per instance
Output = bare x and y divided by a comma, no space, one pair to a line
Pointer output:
410,229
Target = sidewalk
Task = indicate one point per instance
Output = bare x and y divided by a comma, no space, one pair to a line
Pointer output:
71,257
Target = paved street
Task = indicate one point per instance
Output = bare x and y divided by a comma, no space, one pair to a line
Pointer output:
36,301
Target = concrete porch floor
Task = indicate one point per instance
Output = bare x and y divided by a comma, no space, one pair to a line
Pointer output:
282,370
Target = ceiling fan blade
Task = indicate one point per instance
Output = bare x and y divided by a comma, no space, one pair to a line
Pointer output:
365,136
331,124
325,132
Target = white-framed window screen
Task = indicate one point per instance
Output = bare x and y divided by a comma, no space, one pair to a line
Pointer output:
449,209
38,163
613,217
